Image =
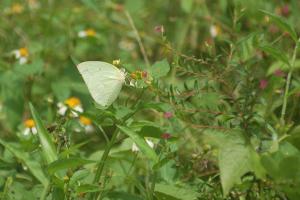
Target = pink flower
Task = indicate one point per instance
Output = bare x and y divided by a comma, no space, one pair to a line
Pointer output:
166,136
263,84
159,29
285,10
279,73
168,115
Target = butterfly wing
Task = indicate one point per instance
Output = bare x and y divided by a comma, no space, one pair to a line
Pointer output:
104,81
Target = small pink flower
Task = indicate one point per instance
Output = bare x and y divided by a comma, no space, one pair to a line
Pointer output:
159,29
166,136
168,115
285,10
279,73
263,84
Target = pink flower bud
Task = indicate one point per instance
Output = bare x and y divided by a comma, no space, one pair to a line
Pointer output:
166,136
279,73
168,115
159,29
285,10
263,84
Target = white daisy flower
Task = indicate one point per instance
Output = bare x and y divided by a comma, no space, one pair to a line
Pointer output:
87,33
72,103
29,127
21,55
87,124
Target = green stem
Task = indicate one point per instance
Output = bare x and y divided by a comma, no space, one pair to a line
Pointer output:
287,86
101,163
45,192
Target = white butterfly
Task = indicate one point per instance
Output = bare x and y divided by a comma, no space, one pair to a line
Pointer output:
104,80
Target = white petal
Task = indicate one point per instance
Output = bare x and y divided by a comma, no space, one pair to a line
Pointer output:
213,31
22,60
89,129
82,34
78,108
17,54
26,131
62,110
34,130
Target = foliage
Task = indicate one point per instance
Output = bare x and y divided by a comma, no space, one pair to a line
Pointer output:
208,109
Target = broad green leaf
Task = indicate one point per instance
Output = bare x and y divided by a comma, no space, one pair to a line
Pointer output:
140,142
33,165
79,175
283,24
277,54
235,157
47,144
282,66
172,192
160,69
66,164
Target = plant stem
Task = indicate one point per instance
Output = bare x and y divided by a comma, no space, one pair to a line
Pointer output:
138,38
287,86
45,192
101,163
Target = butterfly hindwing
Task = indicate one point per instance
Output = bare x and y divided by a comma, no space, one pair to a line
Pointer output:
104,81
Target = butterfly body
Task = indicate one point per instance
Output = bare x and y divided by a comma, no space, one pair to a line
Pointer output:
104,81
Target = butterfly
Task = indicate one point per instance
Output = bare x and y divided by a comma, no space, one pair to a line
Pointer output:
104,81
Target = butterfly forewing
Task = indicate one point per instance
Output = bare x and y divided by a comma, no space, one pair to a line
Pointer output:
104,81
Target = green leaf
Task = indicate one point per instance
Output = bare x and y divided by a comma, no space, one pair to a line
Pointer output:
66,164
275,53
140,142
172,192
33,165
88,188
283,24
47,144
235,157
160,69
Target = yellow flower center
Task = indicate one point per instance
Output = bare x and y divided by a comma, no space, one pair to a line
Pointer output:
90,32
72,102
17,8
85,120
29,123
24,52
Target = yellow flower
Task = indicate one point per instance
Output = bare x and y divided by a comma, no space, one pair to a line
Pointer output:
29,123
29,127
86,123
24,52
85,120
90,32
21,54
87,33
72,102
16,8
